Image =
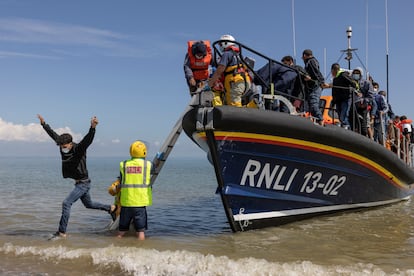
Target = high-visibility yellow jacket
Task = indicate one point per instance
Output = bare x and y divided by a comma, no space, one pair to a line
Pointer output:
136,189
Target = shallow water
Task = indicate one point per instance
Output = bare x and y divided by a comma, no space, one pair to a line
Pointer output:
188,233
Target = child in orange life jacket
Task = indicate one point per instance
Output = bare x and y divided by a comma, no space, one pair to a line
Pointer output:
197,63
115,190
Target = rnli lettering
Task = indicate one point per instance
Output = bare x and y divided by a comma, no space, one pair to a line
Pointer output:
134,169
269,177
281,178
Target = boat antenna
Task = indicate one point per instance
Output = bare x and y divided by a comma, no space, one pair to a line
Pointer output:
386,44
293,30
349,50
366,38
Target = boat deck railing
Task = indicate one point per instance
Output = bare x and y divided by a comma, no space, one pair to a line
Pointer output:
388,135
403,147
250,58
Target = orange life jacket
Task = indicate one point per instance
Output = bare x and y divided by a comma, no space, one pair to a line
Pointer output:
406,124
199,66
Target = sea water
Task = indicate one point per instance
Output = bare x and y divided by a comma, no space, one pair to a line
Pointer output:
188,231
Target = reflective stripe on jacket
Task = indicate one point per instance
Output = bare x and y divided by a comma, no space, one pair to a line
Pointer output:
136,190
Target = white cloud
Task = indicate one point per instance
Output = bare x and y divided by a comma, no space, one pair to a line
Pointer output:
31,132
116,141
4,54
29,31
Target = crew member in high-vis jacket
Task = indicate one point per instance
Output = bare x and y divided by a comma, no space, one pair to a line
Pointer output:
233,71
136,190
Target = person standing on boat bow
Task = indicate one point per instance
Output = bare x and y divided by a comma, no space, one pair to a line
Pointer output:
237,80
315,82
342,88
74,166
364,102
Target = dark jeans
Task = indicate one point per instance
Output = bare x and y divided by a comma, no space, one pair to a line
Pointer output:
343,107
314,96
81,191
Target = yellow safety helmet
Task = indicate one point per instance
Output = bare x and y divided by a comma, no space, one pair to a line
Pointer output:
138,149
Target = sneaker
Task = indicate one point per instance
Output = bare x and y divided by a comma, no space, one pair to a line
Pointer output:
320,122
113,213
56,236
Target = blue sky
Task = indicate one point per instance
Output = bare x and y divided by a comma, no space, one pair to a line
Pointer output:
122,60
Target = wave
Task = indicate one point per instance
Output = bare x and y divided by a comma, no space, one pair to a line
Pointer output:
140,261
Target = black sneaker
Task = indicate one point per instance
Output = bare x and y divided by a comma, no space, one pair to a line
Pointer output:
113,213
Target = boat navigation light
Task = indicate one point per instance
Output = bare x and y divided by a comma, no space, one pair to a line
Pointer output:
349,31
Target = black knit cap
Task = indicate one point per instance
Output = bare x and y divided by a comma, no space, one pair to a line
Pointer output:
308,52
63,139
199,48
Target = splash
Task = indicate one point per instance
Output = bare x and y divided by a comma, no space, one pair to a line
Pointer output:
140,261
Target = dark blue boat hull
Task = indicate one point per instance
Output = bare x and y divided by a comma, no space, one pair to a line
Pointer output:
273,168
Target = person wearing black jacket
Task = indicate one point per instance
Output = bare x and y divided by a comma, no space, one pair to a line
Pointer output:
74,166
315,82
283,77
298,92
342,88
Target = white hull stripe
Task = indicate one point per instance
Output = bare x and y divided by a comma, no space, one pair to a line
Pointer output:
295,212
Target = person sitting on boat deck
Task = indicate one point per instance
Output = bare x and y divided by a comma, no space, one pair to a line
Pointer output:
282,76
197,62
236,78
406,128
380,117
364,101
315,82
343,88
136,190
298,93
74,166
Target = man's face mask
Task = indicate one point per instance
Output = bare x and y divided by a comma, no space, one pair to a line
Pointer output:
66,148
356,76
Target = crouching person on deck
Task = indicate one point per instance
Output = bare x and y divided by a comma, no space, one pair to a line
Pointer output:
135,190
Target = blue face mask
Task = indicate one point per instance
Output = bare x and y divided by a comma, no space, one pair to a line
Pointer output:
65,150
356,76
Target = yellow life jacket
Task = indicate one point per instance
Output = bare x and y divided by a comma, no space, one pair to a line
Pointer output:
136,189
236,73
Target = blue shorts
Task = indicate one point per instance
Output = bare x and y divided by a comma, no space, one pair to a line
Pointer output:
136,214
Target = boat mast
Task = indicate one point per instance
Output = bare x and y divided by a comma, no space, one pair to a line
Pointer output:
366,39
386,44
293,30
348,57
349,50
